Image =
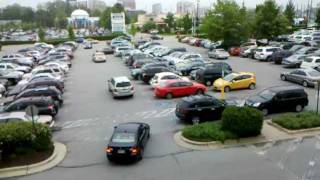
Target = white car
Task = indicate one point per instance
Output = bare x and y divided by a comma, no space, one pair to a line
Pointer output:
164,76
16,56
6,66
118,51
120,87
311,62
218,54
264,53
99,57
22,116
184,57
60,64
41,75
44,69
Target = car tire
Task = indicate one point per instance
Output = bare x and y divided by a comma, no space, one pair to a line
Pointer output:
208,83
269,59
299,108
140,156
169,96
199,92
252,86
283,78
305,84
265,112
227,89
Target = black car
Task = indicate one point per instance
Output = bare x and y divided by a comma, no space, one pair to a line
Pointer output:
128,141
279,99
39,82
135,57
172,50
45,105
107,50
212,72
278,56
136,73
148,73
189,65
49,91
140,42
199,108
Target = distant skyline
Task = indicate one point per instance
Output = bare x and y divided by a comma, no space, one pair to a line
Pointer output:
166,5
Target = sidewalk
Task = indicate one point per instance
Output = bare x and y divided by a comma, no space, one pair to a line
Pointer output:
59,153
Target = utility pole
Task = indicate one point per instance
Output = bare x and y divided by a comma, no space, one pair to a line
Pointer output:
197,18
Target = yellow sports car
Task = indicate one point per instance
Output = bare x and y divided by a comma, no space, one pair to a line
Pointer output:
240,80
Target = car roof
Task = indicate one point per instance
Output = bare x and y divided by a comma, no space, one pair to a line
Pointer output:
128,127
121,79
243,73
285,88
165,74
198,98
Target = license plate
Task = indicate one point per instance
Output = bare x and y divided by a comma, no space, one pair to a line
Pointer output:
121,151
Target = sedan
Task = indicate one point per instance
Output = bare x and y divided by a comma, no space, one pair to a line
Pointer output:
305,77
178,88
164,76
218,54
128,141
99,57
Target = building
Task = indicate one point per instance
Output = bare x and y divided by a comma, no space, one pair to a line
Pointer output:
157,8
82,4
80,19
157,18
118,22
184,7
128,4
96,5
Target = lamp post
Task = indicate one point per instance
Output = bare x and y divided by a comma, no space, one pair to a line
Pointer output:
318,94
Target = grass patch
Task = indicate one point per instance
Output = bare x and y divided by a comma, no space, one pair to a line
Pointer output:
208,131
294,121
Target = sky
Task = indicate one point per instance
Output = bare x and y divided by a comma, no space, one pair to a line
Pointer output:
167,5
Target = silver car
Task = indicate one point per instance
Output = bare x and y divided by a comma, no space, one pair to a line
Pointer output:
305,77
120,87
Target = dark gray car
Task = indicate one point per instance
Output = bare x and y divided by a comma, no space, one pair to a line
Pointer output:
305,77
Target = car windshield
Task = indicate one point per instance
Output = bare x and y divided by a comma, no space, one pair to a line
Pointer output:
314,73
123,137
123,84
308,60
229,77
267,94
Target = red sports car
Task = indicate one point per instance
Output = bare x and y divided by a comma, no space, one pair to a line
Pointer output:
177,88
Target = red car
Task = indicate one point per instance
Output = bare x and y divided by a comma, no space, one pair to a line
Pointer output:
234,51
177,88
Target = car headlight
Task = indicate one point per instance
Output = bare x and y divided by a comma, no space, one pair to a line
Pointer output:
256,104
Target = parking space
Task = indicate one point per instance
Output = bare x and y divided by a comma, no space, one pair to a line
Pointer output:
90,113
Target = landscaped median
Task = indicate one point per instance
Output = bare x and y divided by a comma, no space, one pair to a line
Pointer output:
243,126
27,148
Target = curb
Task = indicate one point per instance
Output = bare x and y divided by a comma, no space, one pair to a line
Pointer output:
293,132
59,153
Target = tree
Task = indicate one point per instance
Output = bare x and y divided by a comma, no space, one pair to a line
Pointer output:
290,12
41,35
318,17
105,18
71,33
227,22
186,23
133,29
269,21
170,20
149,26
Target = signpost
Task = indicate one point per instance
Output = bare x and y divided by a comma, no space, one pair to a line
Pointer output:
318,94
32,111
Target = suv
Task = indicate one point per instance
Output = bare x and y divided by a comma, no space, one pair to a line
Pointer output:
148,73
279,99
199,108
265,53
120,86
212,72
45,105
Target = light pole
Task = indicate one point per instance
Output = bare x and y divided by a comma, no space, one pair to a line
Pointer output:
318,94
197,17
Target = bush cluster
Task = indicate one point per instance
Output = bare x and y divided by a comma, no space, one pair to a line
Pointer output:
208,131
20,138
242,121
296,121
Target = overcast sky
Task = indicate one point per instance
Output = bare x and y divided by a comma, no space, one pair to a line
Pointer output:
167,5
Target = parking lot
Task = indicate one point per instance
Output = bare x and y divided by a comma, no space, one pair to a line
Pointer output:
90,113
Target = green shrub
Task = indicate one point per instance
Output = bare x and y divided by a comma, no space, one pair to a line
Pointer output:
22,138
296,121
208,131
242,121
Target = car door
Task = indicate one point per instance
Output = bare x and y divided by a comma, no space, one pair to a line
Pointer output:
187,88
293,76
236,82
301,76
143,136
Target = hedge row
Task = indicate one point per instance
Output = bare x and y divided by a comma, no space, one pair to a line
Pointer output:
20,138
294,121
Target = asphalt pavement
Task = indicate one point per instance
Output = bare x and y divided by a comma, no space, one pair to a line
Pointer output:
90,113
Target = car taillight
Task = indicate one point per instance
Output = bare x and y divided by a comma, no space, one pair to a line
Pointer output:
51,107
134,151
109,149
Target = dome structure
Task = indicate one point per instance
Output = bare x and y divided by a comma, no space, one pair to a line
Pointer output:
79,14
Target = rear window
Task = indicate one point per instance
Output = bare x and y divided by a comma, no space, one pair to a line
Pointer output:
314,73
123,137
123,84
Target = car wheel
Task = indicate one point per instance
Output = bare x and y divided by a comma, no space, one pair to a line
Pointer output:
140,156
169,95
199,92
299,108
252,86
265,111
268,59
305,84
283,78
226,89
208,83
